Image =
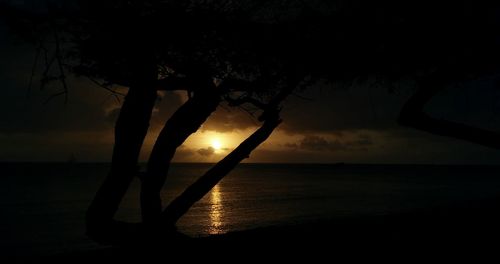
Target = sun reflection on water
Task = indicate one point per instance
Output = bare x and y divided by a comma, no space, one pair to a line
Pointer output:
216,211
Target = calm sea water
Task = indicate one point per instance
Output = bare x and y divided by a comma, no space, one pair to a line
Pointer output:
43,205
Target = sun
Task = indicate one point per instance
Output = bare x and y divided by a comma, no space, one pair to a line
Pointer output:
216,144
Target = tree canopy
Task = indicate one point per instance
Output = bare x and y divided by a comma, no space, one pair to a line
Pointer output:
270,42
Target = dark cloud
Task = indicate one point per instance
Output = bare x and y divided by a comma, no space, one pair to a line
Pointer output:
317,143
206,151
362,140
334,110
291,145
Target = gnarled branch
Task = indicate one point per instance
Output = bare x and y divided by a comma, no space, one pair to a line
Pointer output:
203,185
413,115
184,122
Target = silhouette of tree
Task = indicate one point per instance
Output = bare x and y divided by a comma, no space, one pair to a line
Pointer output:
251,54
217,54
200,57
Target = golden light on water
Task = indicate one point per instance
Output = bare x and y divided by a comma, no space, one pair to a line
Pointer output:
216,211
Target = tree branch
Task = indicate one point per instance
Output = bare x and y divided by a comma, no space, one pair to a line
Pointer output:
184,122
245,100
412,115
104,86
203,185
175,83
277,100
237,85
62,75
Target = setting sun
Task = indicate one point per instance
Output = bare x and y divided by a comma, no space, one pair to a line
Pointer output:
216,144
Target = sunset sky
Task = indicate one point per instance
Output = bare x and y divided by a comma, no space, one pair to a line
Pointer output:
325,124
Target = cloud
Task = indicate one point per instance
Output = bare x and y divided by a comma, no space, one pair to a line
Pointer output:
317,143
207,152
334,110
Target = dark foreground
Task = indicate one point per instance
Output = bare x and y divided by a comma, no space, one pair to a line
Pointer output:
464,230
354,211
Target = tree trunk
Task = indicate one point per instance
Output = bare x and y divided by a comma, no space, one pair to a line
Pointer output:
184,122
203,185
130,131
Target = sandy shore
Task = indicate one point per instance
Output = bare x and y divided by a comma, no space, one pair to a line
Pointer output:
472,229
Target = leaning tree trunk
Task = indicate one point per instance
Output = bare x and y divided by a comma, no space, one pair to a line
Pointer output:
184,122
203,185
130,131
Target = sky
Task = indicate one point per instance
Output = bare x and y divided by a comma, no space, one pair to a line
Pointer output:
327,123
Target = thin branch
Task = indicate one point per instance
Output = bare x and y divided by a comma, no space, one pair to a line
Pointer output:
52,96
117,98
105,87
33,69
45,75
302,97
176,83
245,100
250,116
62,76
46,57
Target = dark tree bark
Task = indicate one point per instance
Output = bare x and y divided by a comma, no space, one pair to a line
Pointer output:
184,122
413,115
130,131
203,185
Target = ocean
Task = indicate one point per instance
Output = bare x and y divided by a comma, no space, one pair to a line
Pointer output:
43,204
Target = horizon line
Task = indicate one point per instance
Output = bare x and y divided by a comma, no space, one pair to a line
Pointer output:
264,163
